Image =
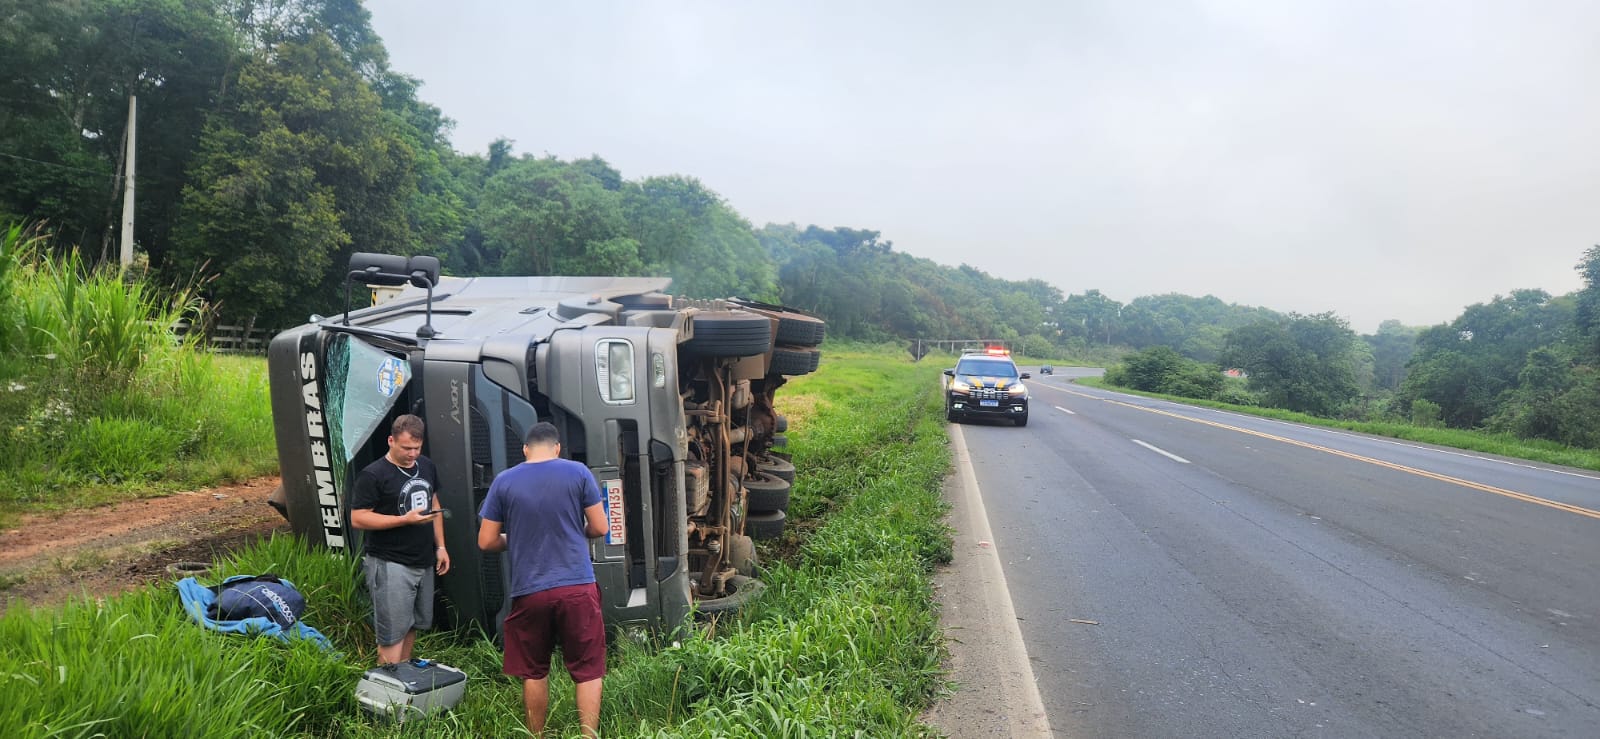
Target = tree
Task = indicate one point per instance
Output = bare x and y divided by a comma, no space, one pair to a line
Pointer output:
1587,310
542,217
1302,364
1466,366
691,234
70,68
1098,315
299,171
1392,346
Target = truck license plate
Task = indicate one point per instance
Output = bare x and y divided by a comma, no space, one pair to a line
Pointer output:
616,532
989,403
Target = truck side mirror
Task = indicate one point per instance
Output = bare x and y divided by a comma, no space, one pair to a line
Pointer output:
950,372
1026,375
392,270
424,271
368,268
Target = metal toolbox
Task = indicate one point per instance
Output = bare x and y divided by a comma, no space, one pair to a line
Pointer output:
410,690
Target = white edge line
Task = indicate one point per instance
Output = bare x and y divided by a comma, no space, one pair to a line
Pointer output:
1005,612
1063,410
1162,452
1541,467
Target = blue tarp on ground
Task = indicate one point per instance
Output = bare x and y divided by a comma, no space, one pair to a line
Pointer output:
197,600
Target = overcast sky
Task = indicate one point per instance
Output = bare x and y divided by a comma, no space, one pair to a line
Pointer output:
1378,160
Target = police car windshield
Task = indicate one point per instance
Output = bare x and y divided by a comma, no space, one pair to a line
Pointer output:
986,367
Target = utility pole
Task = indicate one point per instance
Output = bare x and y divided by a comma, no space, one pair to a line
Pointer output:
127,186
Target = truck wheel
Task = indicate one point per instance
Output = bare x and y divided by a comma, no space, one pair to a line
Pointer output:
792,361
776,466
767,493
794,327
951,415
726,333
741,555
800,330
744,589
765,524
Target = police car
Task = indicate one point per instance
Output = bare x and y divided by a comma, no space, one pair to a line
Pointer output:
986,385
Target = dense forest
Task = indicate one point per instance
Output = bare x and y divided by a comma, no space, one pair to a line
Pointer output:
274,139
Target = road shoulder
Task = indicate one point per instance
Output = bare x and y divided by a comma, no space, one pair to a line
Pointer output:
993,691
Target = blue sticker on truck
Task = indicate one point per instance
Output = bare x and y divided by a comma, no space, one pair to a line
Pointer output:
391,376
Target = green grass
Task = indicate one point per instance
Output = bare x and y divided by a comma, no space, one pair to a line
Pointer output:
100,401
1505,445
844,641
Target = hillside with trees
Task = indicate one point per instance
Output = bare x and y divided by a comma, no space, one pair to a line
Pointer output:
275,139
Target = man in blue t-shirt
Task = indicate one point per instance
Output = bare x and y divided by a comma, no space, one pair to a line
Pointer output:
544,511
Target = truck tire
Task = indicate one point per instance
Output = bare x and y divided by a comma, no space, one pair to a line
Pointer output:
765,524
726,333
794,327
800,330
1022,420
741,555
766,493
792,361
745,589
776,466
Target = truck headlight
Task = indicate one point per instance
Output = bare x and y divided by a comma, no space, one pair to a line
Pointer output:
613,368
958,386
1019,389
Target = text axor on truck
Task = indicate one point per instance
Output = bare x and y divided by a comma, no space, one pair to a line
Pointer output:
668,401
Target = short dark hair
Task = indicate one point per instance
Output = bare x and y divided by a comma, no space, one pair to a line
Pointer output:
407,424
542,432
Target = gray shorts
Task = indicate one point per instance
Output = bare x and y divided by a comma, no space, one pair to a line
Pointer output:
402,598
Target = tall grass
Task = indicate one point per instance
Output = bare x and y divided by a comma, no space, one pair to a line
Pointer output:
136,666
844,641
100,400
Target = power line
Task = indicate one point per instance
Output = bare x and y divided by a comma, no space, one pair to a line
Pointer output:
62,166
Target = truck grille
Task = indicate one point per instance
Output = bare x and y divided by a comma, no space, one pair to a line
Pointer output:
988,393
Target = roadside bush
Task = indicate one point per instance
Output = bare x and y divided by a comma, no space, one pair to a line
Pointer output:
1233,391
1426,413
1160,369
1194,380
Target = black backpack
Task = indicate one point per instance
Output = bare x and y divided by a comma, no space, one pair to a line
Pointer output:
257,596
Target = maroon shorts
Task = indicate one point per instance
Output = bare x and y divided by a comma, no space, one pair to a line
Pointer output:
569,616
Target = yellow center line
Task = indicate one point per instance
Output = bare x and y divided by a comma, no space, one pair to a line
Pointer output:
1569,508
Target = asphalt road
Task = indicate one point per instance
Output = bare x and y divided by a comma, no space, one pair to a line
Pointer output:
1183,572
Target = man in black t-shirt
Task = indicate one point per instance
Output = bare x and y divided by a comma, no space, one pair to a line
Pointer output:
395,502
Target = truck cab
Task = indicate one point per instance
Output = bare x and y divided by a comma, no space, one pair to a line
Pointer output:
668,402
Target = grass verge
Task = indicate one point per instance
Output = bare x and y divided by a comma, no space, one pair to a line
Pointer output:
845,640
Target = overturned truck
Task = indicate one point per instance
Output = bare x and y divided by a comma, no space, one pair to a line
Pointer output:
668,401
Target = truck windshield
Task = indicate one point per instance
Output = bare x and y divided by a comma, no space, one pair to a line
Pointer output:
987,367
363,383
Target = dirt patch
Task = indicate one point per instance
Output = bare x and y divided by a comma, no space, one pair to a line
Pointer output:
51,558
